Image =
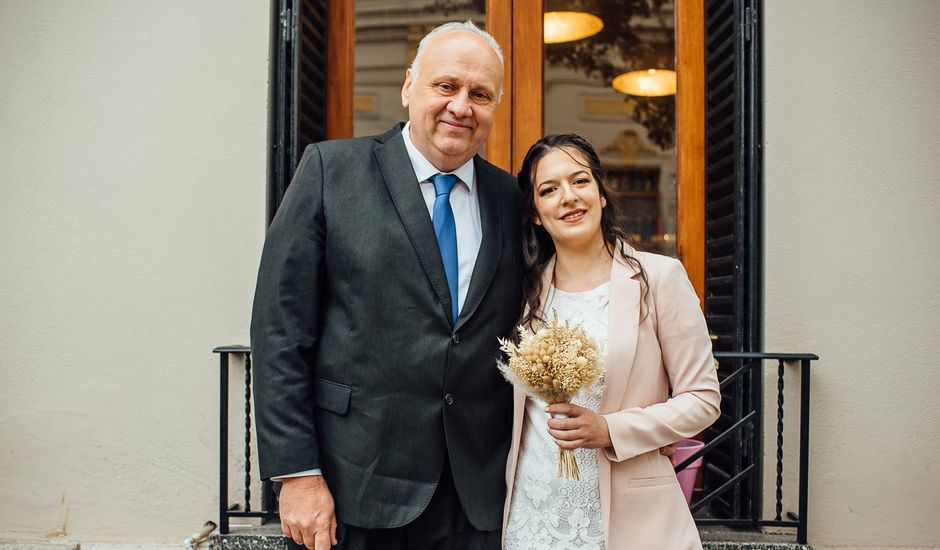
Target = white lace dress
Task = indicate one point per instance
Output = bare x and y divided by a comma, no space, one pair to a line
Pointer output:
547,511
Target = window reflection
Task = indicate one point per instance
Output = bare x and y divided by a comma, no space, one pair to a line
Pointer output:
634,134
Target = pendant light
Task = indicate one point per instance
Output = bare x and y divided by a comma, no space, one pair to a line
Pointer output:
647,83
568,26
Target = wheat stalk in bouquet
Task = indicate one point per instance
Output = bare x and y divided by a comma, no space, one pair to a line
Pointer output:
553,363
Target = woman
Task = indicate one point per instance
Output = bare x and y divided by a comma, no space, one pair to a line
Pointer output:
642,310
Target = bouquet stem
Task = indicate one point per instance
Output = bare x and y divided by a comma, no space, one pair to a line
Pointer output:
568,465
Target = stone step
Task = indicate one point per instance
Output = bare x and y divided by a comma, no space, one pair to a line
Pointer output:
269,537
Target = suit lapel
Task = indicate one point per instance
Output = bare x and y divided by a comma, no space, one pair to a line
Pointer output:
402,184
623,329
491,245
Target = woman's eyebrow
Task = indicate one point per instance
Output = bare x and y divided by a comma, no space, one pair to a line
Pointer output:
571,175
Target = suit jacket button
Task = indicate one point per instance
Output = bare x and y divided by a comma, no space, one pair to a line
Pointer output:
455,338
449,399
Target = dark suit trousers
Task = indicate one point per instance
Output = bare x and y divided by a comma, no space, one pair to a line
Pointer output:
443,525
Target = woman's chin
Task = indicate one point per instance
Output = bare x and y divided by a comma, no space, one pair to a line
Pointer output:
577,237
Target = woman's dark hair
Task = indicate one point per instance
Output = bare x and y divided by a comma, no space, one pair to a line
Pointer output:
537,245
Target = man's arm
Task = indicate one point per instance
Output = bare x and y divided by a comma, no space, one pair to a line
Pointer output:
284,326
284,334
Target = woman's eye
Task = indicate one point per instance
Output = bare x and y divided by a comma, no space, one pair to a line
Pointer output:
582,181
546,191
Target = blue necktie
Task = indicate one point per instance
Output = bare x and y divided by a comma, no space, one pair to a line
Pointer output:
446,230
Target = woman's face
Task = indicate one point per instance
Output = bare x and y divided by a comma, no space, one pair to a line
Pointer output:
568,202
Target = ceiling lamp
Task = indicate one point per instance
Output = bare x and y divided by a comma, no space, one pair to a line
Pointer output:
648,83
568,26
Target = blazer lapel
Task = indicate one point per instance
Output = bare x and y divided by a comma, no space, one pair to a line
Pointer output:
402,184
623,329
491,246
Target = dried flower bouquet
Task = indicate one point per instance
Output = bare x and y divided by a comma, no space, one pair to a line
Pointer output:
553,363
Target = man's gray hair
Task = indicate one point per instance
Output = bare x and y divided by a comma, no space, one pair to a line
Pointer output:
454,26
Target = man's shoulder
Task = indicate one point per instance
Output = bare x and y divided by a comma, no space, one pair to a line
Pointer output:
355,146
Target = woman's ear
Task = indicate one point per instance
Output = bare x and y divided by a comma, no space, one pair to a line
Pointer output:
536,220
603,202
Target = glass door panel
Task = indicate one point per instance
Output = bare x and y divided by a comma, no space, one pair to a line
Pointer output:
609,75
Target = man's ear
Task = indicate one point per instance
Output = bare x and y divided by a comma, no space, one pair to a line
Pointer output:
406,89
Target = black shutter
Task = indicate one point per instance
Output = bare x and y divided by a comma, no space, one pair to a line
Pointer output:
298,97
732,219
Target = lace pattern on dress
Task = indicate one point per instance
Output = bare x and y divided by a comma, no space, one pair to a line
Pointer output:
547,511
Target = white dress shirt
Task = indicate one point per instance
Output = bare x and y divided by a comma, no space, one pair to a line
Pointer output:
465,202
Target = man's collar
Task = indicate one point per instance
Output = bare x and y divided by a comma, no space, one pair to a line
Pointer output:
423,167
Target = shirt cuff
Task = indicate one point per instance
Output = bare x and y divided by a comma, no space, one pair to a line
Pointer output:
314,472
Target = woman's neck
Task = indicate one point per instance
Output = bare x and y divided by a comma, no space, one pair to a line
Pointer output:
581,269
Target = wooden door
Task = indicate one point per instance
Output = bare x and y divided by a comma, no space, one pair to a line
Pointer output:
517,26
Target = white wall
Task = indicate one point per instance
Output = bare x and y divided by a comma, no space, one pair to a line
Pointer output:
852,197
132,192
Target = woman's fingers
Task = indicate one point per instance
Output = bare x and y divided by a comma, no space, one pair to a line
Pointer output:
566,435
566,409
565,423
570,445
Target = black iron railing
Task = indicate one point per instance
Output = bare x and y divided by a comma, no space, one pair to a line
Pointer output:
242,509
748,429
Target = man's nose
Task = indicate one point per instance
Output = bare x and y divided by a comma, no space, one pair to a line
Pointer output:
460,105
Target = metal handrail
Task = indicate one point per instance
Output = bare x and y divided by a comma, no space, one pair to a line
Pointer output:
755,360
243,509
752,360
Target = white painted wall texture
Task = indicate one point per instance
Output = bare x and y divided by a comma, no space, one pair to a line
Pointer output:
852,198
132,192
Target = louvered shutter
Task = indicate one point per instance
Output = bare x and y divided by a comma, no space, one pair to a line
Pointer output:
299,91
732,218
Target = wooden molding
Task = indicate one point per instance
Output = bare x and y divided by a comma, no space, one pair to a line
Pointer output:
690,140
499,143
341,68
527,59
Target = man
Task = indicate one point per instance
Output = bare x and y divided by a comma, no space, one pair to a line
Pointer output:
387,276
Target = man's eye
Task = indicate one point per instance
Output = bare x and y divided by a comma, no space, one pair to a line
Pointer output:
444,86
482,97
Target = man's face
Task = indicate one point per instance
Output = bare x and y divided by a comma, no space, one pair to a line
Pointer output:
452,101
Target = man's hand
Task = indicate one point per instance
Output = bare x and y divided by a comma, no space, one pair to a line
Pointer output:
306,508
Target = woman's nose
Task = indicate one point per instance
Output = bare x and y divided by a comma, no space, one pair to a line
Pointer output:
567,193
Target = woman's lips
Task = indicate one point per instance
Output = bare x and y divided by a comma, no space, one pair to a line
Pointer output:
573,216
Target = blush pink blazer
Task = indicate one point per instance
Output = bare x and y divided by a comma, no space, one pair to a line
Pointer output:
663,343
